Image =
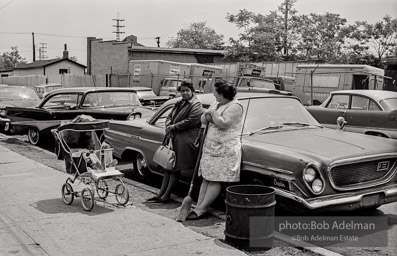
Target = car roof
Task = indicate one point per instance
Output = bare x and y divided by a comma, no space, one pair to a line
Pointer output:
209,98
374,94
141,88
46,85
16,86
93,89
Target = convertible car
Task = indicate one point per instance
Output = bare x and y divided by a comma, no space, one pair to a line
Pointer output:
372,112
68,103
311,168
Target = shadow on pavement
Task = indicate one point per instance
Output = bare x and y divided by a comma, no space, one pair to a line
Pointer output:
57,206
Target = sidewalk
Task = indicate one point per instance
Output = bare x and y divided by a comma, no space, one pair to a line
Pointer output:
35,221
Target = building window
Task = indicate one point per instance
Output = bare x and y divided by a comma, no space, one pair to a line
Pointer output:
63,71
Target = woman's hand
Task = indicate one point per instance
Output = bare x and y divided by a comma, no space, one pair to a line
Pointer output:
209,118
169,128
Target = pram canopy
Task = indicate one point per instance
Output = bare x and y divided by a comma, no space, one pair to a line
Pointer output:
85,125
67,140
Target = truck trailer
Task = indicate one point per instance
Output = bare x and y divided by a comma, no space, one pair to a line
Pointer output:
313,83
151,73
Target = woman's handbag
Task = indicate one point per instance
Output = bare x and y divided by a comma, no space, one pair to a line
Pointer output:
165,156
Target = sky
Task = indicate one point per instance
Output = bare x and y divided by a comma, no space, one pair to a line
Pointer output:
58,22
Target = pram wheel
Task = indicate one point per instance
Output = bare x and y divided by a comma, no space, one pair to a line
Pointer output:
67,193
102,189
87,199
122,195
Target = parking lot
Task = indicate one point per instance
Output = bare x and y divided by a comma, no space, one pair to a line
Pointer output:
212,228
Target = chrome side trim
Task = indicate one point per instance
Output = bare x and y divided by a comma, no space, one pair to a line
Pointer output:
266,168
335,199
136,137
296,186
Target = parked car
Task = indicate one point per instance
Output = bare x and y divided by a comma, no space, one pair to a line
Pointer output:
169,87
44,89
147,97
372,112
15,96
311,168
66,104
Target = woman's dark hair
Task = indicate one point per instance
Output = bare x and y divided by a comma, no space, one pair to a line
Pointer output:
187,84
227,90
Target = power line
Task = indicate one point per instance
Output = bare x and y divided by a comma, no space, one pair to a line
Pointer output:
6,4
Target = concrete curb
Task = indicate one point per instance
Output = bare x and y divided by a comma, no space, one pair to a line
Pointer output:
221,215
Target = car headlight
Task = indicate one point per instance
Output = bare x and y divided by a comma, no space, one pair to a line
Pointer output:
309,174
2,112
317,185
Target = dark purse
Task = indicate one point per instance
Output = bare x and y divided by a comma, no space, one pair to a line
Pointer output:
165,156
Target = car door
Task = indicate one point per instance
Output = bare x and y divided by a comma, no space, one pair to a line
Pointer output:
153,135
329,113
365,115
63,106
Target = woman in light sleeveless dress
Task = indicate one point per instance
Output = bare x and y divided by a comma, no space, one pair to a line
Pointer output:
221,155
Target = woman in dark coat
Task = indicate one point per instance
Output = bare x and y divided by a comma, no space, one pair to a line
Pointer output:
183,126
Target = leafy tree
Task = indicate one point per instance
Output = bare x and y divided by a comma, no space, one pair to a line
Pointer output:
10,60
197,36
379,39
323,36
261,38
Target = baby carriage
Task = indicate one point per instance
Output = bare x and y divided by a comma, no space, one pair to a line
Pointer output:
92,167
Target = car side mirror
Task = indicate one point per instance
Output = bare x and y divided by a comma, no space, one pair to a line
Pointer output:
341,122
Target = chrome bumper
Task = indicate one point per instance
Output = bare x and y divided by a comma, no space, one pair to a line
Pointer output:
340,199
5,122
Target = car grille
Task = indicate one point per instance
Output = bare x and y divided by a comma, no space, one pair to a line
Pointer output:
357,174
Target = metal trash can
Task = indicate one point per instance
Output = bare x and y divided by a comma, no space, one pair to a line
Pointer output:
250,216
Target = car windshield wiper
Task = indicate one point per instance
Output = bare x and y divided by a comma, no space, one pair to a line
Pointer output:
300,124
296,123
266,128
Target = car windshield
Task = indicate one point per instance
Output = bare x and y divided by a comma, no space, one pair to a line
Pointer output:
273,114
111,99
175,84
390,103
12,93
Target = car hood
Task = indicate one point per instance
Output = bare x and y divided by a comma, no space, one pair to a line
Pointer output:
19,103
319,144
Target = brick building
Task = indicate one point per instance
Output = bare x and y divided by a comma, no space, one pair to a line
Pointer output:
109,57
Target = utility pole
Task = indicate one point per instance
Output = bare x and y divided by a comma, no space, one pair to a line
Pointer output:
158,41
43,51
286,27
34,49
118,26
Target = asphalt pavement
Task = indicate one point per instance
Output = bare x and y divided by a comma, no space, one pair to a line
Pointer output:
34,220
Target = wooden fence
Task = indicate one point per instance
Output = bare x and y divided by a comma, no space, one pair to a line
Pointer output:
67,80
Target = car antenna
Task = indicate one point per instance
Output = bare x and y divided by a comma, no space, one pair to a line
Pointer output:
93,80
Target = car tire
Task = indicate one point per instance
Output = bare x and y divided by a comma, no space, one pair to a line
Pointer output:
34,136
141,171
